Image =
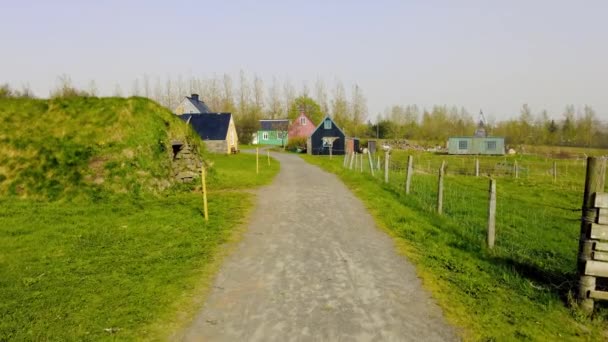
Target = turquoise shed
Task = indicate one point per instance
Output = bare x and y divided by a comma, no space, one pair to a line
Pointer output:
476,145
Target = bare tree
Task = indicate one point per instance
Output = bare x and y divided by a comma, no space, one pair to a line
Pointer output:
146,86
321,95
288,95
274,100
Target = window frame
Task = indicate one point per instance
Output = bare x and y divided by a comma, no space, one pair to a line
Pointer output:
491,145
462,143
302,121
327,124
265,136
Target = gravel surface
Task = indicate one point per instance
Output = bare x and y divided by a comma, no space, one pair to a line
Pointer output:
314,267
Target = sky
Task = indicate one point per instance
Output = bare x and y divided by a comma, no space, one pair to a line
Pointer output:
490,55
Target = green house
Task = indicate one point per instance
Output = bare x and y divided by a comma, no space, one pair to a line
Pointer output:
476,145
273,132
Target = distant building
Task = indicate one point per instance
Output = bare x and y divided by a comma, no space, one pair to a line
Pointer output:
301,127
327,136
480,143
216,129
192,105
273,132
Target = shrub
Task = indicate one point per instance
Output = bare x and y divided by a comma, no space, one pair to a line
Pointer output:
295,143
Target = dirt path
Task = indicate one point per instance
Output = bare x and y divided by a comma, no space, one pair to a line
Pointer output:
313,267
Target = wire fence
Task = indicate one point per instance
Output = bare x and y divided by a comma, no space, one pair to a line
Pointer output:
537,207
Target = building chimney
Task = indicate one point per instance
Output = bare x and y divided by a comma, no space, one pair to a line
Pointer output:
194,97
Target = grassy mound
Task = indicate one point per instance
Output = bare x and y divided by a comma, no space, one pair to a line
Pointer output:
85,146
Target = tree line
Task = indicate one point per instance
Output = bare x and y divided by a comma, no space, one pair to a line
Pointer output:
250,100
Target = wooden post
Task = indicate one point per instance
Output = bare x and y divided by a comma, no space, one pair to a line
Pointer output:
330,151
516,170
386,166
361,162
352,159
492,214
204,183
268,156
440,189
476,167
594,183
554,172
257,160
345,160
378,168
408,177
371,163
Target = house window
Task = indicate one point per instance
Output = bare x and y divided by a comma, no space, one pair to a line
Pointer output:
463,144
265,136
491,145
302,121
279,135
327,124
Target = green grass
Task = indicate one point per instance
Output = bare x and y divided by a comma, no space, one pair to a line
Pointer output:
517,291
70,270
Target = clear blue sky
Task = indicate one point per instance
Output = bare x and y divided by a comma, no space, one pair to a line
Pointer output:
494,55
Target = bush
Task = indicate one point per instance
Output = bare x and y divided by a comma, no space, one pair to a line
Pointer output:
295,143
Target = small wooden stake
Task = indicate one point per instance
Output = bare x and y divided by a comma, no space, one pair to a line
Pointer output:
554,172
386,166
257,160
204,182
516,169
477,167
268,156
352,160
361,163
410,171
345,159
492,214
378,168
440,189
371,163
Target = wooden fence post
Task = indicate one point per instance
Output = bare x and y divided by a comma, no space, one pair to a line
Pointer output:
378,168
371,163
268,156
410,171
204,183
594,183
352,157
476,167
440,189
516,170
257,160
345,160
361,161
386,166
554,172
492,214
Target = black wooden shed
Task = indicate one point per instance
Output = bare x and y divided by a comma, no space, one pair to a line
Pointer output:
326,136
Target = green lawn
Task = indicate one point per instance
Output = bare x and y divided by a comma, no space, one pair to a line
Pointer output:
519,290
123,267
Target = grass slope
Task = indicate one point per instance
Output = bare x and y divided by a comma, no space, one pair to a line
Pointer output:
81,146
517,291
122,259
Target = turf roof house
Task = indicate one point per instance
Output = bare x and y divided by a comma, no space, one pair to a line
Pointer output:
273,132
327,136
217,130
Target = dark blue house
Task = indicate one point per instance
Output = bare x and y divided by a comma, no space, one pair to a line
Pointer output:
326,137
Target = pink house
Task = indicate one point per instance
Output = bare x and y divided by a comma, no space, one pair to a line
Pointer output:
302,126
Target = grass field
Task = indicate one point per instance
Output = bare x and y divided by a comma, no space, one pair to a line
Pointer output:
520,290
97,240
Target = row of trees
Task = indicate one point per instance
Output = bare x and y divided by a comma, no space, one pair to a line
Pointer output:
575,128
250,100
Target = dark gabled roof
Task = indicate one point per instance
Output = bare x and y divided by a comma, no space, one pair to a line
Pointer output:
274,125
333,123
200,105
209,126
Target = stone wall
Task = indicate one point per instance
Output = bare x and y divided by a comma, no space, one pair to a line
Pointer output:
216,146
186,162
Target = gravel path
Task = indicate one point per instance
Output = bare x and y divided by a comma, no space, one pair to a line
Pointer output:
313,267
